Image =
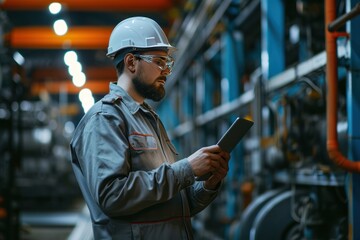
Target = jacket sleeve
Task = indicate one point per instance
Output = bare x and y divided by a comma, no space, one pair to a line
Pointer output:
104,156
199,197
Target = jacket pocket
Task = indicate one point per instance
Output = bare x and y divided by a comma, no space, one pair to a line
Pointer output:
141,141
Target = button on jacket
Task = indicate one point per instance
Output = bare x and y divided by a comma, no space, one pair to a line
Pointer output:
127,171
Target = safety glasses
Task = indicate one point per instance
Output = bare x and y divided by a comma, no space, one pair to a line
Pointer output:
162,62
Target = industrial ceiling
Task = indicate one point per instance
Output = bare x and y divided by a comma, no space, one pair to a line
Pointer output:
30,32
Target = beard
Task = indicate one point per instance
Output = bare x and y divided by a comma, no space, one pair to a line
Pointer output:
149,91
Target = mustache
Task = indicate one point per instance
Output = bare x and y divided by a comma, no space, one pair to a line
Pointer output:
163,78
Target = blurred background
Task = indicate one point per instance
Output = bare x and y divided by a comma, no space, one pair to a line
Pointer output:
291,66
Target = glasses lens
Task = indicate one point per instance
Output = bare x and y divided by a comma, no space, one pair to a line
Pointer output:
160,62
163,62
170,63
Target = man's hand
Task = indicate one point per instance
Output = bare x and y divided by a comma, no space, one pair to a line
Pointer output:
210,159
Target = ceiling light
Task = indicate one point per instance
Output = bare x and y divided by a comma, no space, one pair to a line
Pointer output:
54,8
88,103
84,94
19,59
86,98
60,27
75,68
70,57
79,79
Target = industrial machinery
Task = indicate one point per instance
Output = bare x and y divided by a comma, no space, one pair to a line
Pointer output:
277,63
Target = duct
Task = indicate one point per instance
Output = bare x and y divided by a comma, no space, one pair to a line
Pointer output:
332,79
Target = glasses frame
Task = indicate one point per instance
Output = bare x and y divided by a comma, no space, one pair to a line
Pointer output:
168,60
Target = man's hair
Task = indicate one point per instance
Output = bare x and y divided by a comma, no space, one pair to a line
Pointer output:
120,68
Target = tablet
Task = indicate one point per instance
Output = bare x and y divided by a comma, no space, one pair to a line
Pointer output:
234,134
231,138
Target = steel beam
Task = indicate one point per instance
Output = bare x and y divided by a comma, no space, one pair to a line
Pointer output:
90,5
96,87
45,38
273,37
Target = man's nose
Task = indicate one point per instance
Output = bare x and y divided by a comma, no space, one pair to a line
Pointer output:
166,72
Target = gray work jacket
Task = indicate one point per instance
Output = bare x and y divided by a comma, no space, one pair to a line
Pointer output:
127,171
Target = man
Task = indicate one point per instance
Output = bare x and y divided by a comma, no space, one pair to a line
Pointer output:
122,157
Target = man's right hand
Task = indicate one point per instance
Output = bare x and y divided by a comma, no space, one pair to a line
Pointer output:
209,159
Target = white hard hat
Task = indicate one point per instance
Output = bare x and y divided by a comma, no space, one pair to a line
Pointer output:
136,34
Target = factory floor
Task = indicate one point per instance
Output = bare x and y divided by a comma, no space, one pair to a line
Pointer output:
65,225
45,233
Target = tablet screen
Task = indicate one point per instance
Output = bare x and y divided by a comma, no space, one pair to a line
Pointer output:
231,138
234,134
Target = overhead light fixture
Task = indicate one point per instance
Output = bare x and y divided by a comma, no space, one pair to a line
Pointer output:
70,57
85,94
60,27
88,104
19,59
54,8
86,98
79,79
74,68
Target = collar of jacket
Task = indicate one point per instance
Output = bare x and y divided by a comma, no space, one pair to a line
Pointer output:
128,100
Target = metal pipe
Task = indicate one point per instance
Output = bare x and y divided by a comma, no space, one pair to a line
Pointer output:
332,95
339,22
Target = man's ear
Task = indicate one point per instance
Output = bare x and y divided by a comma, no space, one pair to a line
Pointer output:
129,62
